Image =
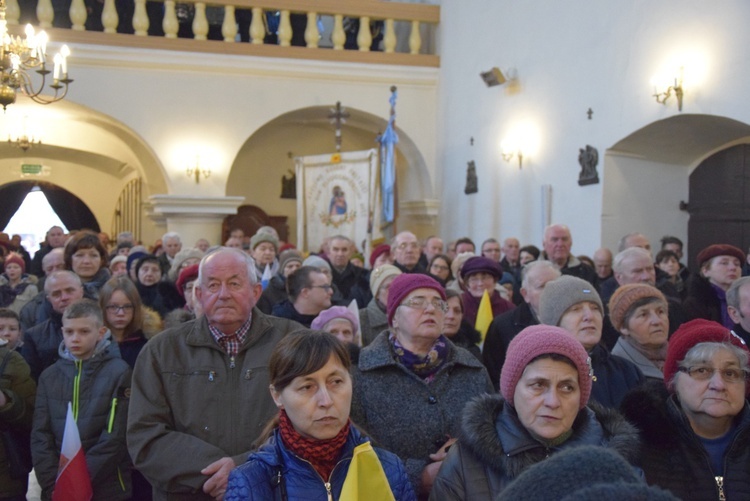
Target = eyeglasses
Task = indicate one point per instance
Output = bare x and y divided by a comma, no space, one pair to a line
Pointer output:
324,287
408,245
703,373
421,303
113,308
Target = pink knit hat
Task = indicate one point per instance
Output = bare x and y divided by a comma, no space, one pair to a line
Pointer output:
404,284
332,313
541,340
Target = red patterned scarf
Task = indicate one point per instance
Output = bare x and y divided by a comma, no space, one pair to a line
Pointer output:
322,454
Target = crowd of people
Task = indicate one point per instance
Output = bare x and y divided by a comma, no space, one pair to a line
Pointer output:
253,370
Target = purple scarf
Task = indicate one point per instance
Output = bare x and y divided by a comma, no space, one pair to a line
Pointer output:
424,366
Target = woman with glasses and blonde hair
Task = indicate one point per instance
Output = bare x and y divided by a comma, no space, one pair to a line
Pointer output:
412,383
695,425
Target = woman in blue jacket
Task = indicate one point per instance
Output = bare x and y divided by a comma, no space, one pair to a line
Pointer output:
310,445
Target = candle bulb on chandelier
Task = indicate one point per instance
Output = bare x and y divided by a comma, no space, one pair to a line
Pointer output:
42,39
58,62
64,52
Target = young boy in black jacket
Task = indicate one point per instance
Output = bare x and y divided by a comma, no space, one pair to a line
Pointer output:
97,384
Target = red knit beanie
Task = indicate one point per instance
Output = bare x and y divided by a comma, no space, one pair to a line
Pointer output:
377,252
688,335
16,258
541,340
715,250
404,284
186,275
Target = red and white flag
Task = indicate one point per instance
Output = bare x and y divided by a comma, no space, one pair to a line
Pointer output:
73,482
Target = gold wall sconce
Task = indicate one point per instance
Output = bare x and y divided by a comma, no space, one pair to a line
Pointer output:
196,172
509,155
676,88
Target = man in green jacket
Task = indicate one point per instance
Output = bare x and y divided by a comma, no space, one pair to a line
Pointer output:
200,391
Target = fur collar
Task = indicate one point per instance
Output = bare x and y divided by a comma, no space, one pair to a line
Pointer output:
487,424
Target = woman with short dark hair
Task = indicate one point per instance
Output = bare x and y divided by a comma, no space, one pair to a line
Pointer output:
85,256
310,445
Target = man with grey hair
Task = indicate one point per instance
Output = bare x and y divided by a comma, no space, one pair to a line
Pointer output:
172,244
506,326
557,244
634,265
41,342
634,239
54,239
738,307
405,252
200,390
433,246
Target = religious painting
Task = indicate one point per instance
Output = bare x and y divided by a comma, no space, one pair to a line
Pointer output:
337,196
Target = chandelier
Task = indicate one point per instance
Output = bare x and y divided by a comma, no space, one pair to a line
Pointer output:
19,57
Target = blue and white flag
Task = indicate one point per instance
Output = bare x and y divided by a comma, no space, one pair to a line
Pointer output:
266,277
388,140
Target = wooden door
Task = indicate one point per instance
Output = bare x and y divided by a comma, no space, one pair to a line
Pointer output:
719,205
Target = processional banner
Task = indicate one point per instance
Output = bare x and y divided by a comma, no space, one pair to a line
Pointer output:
337,195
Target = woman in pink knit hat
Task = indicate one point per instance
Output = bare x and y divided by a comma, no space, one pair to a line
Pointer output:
542,408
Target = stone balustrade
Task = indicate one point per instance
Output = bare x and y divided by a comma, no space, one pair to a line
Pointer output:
371,31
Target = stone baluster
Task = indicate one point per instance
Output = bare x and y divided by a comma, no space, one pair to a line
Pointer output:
110,19
389,39
170,25
78,15
257,29
364,37
285,29
12,11
311,32
200,23
338,37
229,26
45,13
140,18
415,39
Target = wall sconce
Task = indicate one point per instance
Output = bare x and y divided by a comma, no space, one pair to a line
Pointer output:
22,139
661,97
508,156
493,77
196,172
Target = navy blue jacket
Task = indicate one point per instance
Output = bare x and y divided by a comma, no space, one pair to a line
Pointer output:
258,478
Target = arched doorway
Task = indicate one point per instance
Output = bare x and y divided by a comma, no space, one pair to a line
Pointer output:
73,211
646,177
719,200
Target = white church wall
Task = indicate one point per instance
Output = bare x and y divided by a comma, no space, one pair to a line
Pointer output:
569,57
630,205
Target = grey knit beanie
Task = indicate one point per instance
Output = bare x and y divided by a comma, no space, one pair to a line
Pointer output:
562,293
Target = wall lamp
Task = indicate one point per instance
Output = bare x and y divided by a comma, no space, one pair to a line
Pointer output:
196,172
509,155
661,97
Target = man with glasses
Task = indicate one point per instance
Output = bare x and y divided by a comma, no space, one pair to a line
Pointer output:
405,251
310,292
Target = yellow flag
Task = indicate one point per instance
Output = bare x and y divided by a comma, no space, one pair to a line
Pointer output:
484,315
366,479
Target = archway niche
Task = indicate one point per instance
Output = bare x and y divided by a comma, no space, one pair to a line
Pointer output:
646,176
269,154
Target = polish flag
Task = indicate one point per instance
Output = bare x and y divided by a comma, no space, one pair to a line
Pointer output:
73,482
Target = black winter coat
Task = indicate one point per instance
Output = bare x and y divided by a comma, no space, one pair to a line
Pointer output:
501,332
100,388
615,376
673,457
494,447
701,300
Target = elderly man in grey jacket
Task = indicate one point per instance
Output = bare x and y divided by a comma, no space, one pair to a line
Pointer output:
200,391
